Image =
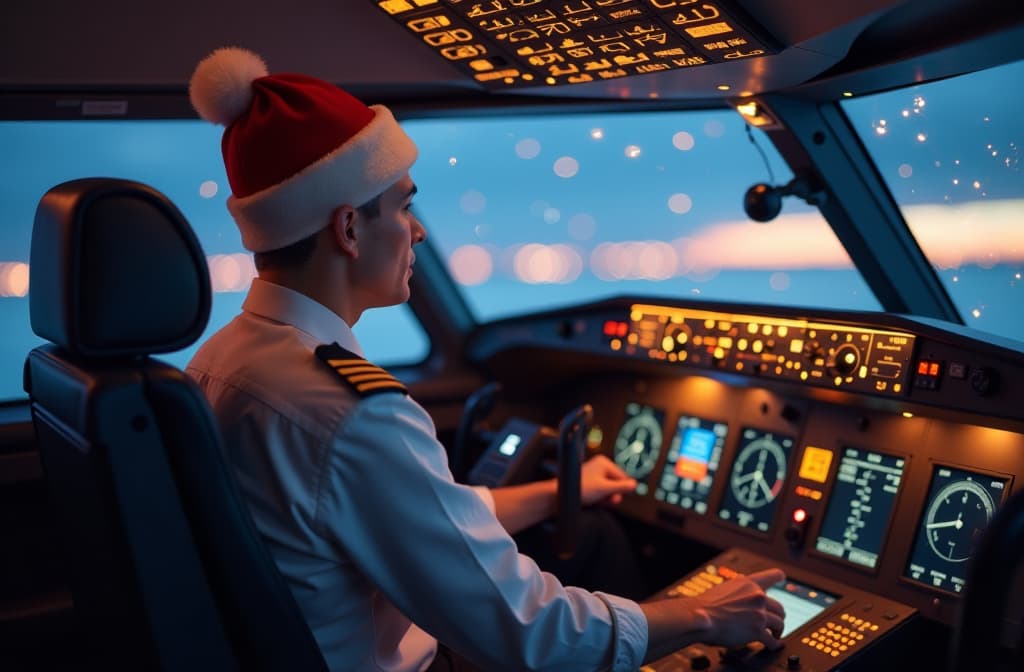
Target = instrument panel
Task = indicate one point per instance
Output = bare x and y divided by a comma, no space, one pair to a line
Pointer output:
877,500
868,450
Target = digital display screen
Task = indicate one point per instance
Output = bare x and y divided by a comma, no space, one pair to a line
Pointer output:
756,481
959,507
801,602
510,444
638,444
861,504
691,464
815,463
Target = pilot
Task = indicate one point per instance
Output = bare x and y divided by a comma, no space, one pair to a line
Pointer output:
341,469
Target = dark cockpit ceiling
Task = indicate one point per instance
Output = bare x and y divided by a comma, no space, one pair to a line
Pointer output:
820,50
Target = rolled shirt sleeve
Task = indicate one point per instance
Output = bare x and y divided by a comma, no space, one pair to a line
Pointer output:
485,494
436,550
630,627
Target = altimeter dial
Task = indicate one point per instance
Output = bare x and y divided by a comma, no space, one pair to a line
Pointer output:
638,444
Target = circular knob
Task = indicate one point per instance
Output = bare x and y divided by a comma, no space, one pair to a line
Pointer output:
793,662
984,381
812,350
845,360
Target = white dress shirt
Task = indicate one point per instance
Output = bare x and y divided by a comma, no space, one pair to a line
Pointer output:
379,545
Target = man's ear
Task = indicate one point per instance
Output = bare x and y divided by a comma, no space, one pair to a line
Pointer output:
343,228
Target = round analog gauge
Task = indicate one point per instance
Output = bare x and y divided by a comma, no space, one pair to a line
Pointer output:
638,443
759,472
956,518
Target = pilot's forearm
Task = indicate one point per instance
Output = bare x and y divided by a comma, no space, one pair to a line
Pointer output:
518,507
732,613
671,626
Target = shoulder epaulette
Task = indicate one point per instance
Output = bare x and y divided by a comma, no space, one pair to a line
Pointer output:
365,378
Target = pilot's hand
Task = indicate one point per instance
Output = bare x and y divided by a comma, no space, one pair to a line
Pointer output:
601,480
739,612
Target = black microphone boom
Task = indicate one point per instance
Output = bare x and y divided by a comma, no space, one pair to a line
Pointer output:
763,202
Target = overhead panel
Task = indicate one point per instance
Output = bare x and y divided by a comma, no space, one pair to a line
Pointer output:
506,44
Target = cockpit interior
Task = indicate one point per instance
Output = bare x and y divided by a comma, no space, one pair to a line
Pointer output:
769,252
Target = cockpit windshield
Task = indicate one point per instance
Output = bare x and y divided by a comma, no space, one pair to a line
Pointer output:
950,153
533,213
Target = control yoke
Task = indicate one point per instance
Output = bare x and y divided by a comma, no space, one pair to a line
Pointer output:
572,432
977,641
478,406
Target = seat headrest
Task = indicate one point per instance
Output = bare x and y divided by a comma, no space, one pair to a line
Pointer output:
115,271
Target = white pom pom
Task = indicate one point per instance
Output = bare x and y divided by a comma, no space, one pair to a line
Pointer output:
221,86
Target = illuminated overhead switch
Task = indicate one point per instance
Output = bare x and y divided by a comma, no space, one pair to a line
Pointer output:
615,329
928,375
797,530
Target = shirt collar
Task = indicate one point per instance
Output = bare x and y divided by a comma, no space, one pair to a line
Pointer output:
285,305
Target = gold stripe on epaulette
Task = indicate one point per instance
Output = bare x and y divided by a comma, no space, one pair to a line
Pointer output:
363,377
366,376
395,385
348,367
349,370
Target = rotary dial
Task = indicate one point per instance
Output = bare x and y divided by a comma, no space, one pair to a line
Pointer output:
759,473
956,518
638,444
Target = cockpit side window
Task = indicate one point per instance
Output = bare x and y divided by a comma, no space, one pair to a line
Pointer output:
952,154
180,158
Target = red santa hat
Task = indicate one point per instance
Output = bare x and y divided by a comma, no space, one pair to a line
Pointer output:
295,147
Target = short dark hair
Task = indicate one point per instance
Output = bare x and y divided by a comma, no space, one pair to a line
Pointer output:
300,252
371,208
289,256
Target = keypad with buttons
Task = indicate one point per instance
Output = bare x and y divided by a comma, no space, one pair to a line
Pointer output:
698,583
835,638
843,629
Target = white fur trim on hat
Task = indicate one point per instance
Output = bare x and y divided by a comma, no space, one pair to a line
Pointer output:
285,213
221,86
